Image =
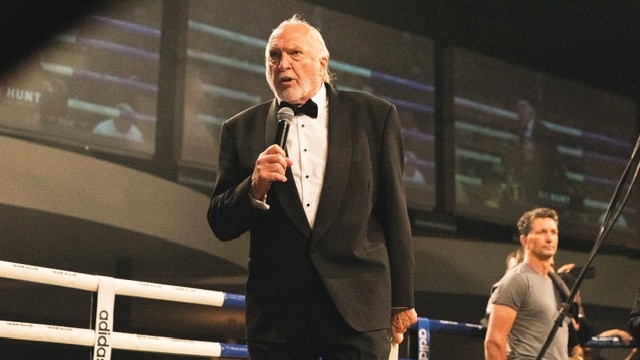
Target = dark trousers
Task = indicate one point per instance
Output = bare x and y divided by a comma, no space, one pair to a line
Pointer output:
327,336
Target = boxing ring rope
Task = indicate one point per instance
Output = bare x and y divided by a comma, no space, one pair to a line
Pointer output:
103,339
425,327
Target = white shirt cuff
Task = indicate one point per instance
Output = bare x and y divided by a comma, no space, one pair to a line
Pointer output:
259,204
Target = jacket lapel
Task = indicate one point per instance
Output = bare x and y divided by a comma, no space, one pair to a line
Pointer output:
286,193
338,165
272,124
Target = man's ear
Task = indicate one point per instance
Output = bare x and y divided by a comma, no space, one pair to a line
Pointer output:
523,240
324,61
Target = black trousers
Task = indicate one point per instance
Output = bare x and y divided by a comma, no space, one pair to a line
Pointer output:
327,336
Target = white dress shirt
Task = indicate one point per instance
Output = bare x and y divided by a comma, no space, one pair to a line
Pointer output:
307,147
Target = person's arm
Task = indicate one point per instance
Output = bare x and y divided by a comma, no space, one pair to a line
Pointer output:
565,268
241,187
500,323
624,336
391,207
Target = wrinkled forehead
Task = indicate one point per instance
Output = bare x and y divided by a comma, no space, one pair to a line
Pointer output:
291,36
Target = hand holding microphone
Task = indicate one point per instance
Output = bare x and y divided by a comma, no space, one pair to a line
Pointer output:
273,162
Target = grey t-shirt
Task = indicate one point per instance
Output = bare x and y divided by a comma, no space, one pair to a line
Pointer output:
537,302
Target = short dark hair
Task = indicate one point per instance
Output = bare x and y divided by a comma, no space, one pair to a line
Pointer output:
524,224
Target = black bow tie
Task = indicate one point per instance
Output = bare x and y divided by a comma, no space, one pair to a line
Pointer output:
309,108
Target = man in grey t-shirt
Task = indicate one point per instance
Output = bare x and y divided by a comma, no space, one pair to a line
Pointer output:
525,302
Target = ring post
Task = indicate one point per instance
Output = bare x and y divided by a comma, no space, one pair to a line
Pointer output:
104,318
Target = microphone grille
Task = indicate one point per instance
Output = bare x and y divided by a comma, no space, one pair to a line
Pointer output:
286,114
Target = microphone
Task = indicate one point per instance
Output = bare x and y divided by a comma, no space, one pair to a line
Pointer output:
285,117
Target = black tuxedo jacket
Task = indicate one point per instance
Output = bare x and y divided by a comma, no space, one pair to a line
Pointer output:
361,244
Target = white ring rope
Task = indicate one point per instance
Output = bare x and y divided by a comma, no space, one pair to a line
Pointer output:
102,338
122,287
125,341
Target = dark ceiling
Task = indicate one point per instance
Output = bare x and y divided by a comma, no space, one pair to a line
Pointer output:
594,41
25,24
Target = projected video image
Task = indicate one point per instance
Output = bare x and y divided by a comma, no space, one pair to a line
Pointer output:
226,61
525,139
94,85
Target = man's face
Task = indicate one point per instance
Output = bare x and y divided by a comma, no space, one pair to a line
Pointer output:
542,240
294,67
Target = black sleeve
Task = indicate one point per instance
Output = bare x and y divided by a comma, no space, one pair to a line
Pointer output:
586,331
573,338
634,318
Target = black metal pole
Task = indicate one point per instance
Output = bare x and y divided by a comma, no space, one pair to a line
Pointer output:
611,215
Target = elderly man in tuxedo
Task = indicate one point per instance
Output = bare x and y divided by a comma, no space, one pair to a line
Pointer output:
331,256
